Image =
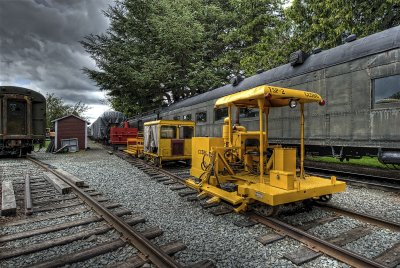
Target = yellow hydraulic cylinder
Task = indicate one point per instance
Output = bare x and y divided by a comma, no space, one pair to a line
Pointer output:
225,134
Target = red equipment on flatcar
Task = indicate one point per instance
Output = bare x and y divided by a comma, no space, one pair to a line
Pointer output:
119,136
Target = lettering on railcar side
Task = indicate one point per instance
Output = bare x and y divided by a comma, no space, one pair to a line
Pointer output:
311,95
201,152
277,90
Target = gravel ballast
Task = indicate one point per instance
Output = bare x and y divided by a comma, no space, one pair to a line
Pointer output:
206,236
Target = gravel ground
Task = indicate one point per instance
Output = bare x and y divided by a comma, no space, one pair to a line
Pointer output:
305,216
207,236
371,246
375,202
332,229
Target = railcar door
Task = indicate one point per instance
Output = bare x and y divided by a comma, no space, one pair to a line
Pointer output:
17,117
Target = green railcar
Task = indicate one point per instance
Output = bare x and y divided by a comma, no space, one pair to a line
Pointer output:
22,120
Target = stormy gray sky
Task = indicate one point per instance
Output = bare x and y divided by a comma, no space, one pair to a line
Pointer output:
40,49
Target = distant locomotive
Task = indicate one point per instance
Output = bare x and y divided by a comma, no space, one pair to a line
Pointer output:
22,120
111,128
99,130
359,79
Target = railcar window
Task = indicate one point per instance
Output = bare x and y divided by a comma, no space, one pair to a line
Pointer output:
177,117
168,132
201,117
386,92
220,113
186,132
245,112
187,117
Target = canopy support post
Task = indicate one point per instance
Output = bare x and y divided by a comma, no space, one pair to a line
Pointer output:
266,136
260,103
302,140
230,124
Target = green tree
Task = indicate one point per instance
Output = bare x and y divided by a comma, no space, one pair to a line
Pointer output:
326,23
56,108
255,34
157,52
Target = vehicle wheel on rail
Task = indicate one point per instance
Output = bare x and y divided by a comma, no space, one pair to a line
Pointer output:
157,161
270,211
325,198
308,204
265,210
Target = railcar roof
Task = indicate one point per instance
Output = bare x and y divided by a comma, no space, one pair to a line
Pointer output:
170,123
369,45
22,91
275,96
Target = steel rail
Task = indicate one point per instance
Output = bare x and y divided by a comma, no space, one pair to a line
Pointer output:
149,252
337,252
317,243
364,217
354,173
161,170
355,181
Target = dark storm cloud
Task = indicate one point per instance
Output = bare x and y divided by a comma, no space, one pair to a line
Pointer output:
40,49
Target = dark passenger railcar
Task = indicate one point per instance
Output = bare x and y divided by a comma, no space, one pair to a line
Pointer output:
22,120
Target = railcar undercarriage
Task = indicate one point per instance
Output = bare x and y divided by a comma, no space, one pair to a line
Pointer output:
16,148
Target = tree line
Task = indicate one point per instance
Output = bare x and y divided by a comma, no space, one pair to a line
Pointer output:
157,52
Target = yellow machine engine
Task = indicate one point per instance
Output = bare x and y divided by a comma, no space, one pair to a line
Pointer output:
168,140
242,168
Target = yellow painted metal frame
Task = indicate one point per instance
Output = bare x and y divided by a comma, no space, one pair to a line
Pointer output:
287,186
164,145
134,146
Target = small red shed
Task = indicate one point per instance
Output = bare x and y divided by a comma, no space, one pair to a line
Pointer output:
70,130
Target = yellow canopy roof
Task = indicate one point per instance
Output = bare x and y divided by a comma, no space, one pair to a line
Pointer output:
274,97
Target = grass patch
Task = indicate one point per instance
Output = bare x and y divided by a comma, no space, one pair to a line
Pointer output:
46,143
364,161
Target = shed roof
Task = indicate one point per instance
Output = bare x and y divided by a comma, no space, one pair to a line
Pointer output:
61,118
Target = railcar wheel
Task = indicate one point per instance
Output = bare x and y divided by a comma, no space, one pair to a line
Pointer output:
325,198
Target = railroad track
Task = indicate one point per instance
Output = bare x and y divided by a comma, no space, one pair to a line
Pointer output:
59,223
333,247
358,178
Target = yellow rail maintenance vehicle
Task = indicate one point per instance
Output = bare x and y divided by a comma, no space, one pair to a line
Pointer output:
168,140
134,146
242,168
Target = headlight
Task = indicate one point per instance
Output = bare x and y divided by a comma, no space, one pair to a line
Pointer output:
292,104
